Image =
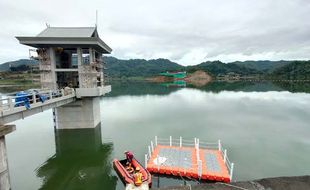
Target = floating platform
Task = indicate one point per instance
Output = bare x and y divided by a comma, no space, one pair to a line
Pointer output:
189,159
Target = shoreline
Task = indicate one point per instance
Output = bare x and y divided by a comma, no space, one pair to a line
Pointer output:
150,79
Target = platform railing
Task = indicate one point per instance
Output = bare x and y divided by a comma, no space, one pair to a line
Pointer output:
192,143
228,163
9,103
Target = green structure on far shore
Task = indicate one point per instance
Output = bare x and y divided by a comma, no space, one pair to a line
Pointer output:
175,75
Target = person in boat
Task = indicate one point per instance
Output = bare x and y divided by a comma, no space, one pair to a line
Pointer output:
138,177
129,156
129,168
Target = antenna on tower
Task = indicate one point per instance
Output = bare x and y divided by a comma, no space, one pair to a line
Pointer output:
96,18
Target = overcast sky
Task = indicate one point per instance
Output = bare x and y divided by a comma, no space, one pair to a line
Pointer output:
185,31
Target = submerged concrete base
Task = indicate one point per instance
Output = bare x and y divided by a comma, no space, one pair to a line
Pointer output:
4,170
89,141
81,114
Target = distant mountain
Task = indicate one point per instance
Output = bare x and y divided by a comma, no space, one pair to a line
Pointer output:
117,67
146,68
139,67
6,66
297,70
217,67
264,66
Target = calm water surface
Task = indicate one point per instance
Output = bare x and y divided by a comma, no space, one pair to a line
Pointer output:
265,128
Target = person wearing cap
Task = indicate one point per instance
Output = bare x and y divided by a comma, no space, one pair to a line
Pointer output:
129,156
129,168
138,177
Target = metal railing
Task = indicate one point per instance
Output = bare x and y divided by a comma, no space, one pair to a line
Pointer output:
9,103
180,142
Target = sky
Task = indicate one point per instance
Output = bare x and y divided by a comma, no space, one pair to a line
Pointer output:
185,31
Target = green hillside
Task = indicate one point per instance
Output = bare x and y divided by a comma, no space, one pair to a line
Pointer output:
118,68
217,67
264,66
6,66
139,67
297,70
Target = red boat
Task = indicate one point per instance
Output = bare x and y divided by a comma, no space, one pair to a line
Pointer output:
128,176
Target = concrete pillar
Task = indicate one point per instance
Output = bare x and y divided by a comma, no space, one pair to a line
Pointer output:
53,67
91,55
80,62
102,70
4,169
1,103
100,56
79,56
84,113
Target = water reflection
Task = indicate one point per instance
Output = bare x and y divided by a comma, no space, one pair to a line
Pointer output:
245,86
81,162
144,87
135,88
294,87
250,86
176,83
138,88
270,129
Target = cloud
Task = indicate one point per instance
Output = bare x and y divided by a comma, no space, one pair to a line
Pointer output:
181,30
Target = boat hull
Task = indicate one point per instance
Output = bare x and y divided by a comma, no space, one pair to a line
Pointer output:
128,178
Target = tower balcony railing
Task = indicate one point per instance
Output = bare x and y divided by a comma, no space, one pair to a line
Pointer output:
26,99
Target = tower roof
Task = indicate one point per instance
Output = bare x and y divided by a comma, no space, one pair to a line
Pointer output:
68,32
66,37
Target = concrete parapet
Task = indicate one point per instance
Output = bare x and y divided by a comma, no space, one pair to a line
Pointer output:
92,92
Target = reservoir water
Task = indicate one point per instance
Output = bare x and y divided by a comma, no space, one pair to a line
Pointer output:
265,127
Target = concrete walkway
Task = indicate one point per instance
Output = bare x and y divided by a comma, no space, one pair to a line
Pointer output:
278,183
144,186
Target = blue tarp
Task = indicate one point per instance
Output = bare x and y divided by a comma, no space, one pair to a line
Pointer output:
42,98
22,99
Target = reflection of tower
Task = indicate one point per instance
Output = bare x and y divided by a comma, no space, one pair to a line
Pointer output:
78,140
81,162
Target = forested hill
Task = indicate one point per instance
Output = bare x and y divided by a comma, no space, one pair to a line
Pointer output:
6,66
264,66
145,68
216,67
297,70
139,67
